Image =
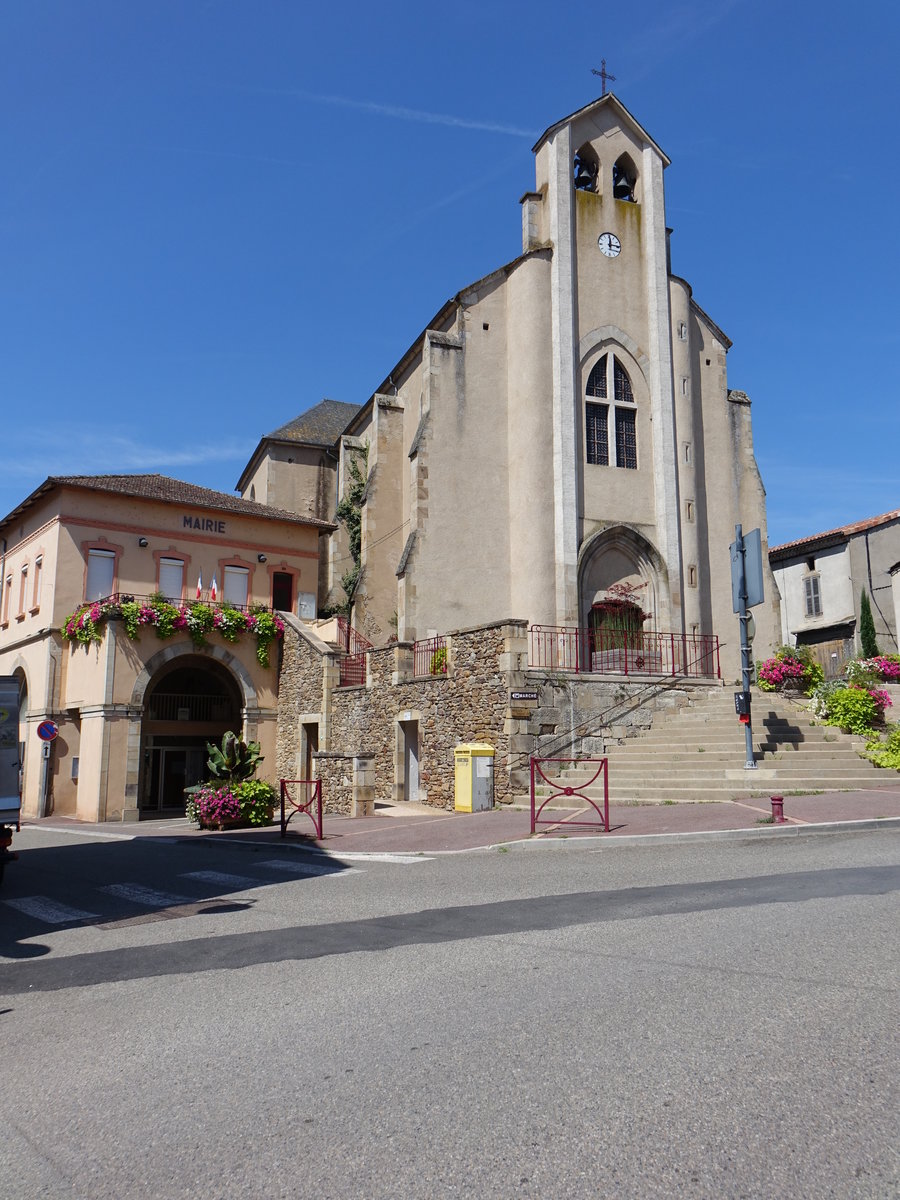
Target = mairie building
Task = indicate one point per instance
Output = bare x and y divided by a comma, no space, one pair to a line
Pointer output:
84,554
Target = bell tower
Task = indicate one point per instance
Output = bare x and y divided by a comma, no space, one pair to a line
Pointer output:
599,203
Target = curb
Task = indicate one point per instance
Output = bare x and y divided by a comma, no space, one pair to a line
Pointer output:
596,843
601,843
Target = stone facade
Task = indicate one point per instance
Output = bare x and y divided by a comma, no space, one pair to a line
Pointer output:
363,731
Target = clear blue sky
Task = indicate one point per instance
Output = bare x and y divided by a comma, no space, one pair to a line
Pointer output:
214,214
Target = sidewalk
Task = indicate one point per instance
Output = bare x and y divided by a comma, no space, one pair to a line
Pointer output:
413,829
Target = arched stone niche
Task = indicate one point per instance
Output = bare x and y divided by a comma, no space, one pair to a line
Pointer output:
620,555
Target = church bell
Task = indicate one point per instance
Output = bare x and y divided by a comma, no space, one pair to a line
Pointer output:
584,177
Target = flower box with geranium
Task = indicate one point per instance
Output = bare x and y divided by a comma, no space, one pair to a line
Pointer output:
791,668
198,619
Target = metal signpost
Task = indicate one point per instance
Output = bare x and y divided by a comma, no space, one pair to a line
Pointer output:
746,592
47,731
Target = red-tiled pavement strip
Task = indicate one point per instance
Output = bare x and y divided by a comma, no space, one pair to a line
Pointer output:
419,831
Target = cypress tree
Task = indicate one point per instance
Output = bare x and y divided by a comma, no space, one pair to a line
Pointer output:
867,642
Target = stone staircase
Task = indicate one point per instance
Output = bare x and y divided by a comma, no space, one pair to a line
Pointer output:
698,753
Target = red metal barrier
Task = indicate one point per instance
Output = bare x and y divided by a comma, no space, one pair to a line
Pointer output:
612,652
303,796
540,778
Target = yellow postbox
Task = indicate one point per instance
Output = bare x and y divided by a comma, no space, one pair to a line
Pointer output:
473,777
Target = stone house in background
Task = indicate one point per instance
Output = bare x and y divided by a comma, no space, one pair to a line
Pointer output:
821,579
295,468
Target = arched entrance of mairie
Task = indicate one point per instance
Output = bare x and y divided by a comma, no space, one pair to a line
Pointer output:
622,557
185,698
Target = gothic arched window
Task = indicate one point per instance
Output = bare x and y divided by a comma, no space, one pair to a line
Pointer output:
597,416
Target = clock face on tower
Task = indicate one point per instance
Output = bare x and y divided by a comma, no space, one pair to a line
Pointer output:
609,244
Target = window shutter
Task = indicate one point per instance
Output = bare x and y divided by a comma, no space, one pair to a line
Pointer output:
813,598
236,582
171,578
100,575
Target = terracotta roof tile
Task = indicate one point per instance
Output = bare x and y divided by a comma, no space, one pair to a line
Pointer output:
842,531
173,491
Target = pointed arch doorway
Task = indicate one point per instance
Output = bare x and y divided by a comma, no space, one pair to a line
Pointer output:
622,594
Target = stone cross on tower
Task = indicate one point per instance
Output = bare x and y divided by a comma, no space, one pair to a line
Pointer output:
603,75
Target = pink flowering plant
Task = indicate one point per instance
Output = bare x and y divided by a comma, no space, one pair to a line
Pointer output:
217,807
197,618
885,667
231,796
790,667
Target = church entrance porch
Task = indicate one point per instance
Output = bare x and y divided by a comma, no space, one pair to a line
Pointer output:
607,650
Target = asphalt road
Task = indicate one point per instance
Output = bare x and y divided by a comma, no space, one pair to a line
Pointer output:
711,1020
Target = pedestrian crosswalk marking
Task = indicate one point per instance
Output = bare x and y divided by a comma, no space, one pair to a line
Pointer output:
402,860
221,877
42,908
298,868
146,896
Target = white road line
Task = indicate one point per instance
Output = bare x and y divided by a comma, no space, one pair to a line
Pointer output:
49,911
293,868
403,860
146,896
221,877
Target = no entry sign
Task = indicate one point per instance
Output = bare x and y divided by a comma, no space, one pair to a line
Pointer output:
47,730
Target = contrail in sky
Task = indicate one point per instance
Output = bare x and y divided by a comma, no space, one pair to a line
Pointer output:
412,114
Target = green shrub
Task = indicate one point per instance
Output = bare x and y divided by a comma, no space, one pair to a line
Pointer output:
235,760
867,642
257,801
885,753
853,709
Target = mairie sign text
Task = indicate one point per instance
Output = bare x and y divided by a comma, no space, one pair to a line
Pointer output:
206,524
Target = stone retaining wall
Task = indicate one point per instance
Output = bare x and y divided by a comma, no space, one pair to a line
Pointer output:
573,716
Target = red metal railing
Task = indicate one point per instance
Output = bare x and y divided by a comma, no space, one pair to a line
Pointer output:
132,598
355,646
614,652
560,790
301,796
430,656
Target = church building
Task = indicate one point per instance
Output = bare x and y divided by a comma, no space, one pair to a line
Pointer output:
562,433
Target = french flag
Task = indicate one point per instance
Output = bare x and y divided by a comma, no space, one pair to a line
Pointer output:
199,585
212,590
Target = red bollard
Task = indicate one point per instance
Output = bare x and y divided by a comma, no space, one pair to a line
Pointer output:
778,817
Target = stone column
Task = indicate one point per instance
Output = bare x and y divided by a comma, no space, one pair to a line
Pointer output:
363,801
